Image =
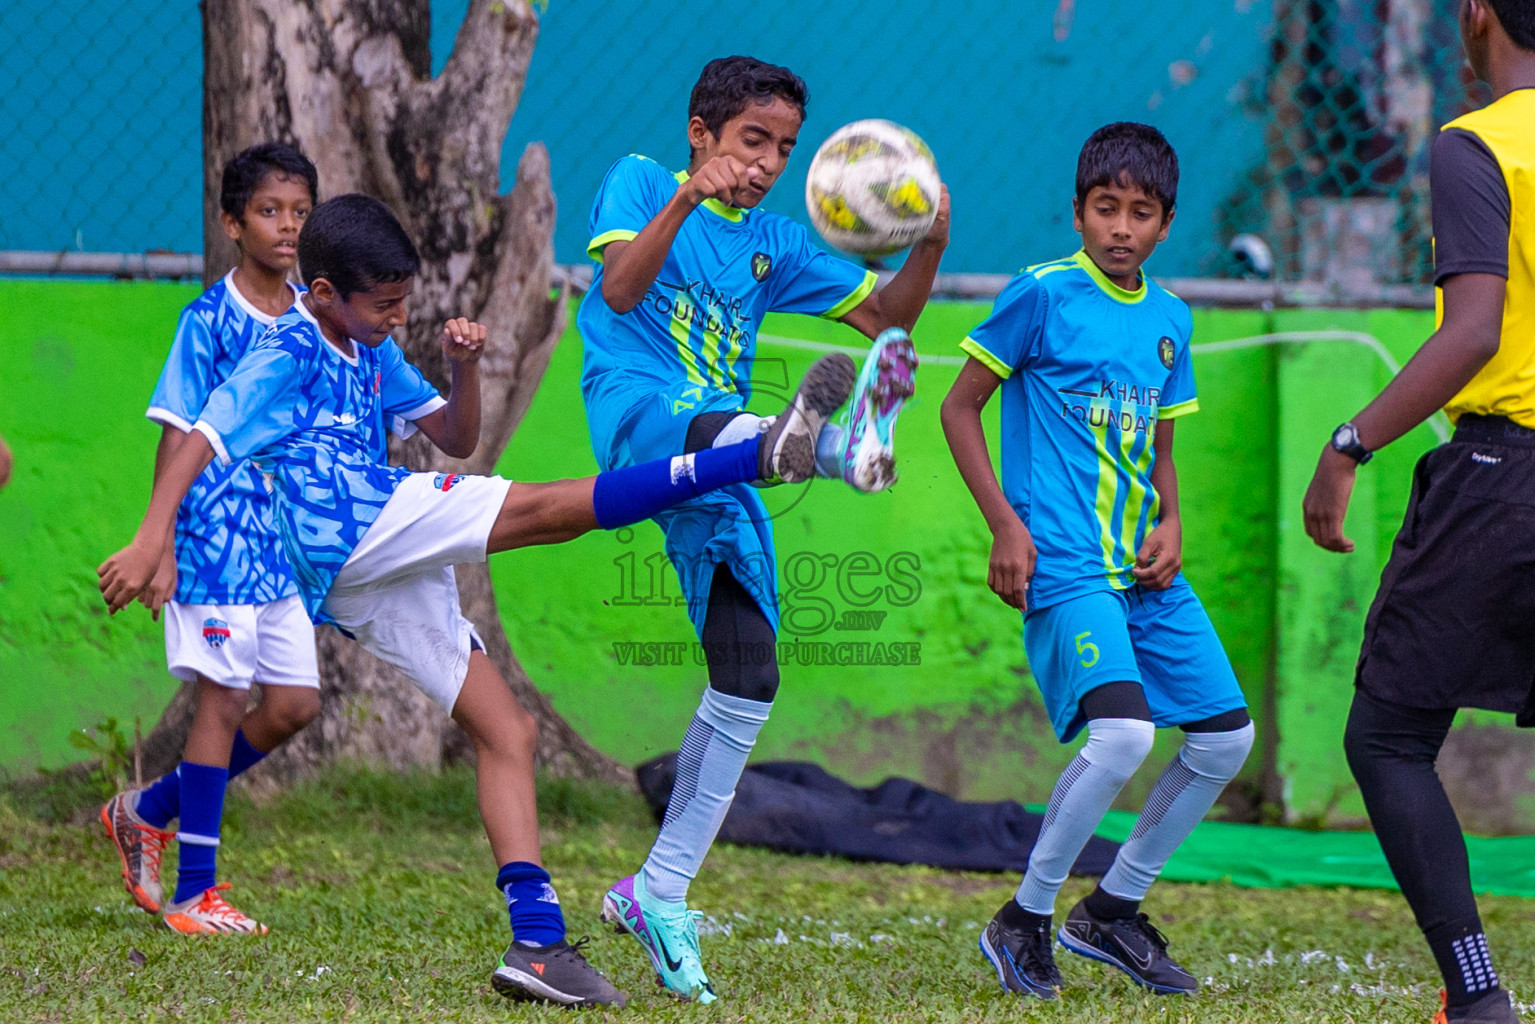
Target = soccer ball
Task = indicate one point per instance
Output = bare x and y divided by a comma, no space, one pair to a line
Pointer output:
872,188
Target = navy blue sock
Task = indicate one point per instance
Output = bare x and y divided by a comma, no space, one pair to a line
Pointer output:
202,808
531,903
160,801
623,497
242,755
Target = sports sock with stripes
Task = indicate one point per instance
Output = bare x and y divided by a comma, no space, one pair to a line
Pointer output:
202,810
713,755
1182,796
1115,748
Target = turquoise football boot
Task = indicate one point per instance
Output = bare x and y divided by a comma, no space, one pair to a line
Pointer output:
667,932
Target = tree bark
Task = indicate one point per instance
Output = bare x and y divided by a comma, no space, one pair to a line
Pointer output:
349,82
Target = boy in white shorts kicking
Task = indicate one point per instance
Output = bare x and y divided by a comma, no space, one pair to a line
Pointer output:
373,546
232,611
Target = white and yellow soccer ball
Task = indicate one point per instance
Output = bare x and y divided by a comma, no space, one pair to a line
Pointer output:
872,188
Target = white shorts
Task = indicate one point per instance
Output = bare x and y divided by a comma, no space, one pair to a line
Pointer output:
396,594
237,644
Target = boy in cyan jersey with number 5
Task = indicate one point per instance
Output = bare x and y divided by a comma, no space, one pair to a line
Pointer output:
1093,362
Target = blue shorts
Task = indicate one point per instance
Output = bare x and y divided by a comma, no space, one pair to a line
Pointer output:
1160,639
730,527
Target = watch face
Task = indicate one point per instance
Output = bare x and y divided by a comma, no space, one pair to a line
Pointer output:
1344,437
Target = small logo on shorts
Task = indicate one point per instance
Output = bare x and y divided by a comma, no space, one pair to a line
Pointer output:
215,632
445,481
762,265
1491,460
1165,351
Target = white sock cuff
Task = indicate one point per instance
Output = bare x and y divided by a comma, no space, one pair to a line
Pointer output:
193,839
1118,745
1218,755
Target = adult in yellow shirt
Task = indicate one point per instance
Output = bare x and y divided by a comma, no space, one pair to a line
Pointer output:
1451,625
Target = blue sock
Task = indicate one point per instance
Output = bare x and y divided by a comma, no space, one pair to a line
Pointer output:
202,808
623,497
532,904
242,755
160,801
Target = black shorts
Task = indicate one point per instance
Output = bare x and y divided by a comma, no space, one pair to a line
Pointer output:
1453,624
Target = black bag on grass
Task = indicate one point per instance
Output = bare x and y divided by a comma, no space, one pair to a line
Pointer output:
801,808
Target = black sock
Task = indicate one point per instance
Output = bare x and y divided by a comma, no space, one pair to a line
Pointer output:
1014,916
1108,907
1460,949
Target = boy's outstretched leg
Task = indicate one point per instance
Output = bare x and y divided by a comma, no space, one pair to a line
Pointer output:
539,963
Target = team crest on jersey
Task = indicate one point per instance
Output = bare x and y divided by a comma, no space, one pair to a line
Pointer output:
215,632
445,481
762,265
1165,351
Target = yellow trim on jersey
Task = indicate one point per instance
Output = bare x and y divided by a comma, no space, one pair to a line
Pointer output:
1109,288
682,333
1506,385
1172,412
1040,270
595,246
857,295
973,349
1108,487
734,214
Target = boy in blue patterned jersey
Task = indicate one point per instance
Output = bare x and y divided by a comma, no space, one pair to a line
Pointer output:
373,546
1093,362
687,266
232,611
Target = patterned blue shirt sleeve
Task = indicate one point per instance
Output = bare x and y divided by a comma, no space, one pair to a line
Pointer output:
1010,338
188,376
405,394
631,194
808,279
255,406
1180,397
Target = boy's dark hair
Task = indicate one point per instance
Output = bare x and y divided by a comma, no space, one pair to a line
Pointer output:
728,85
1127,153
355,243
246,170
1518,20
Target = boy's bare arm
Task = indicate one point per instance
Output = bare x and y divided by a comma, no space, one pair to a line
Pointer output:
1466,340
630,268
455,428
125,575
1161,554
900,302
1012,551
163,586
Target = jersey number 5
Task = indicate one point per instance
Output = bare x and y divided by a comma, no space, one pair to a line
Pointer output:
1089,652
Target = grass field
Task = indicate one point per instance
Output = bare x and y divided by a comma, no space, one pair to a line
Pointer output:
379,896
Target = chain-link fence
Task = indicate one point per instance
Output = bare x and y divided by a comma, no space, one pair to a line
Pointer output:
1302,122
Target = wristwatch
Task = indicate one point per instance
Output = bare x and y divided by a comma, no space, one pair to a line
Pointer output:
1345,440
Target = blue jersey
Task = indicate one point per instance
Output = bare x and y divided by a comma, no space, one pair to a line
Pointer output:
1087,370
227,547
697,324
315,421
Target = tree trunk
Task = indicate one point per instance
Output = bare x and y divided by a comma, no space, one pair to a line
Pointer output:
349,82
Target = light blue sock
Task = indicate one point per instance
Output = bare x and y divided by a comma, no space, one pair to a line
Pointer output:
828,451
711,760
1115,748
1188,788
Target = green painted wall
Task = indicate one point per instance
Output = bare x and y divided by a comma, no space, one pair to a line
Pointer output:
951,702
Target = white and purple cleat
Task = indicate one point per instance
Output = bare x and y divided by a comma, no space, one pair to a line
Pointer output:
888,378
668,932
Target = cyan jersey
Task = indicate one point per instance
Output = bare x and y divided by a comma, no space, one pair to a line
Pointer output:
697,324
227,547
314,421
1087,370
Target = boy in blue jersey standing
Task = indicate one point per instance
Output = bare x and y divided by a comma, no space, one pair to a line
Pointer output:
1093,362
687,266
373,546
232,611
